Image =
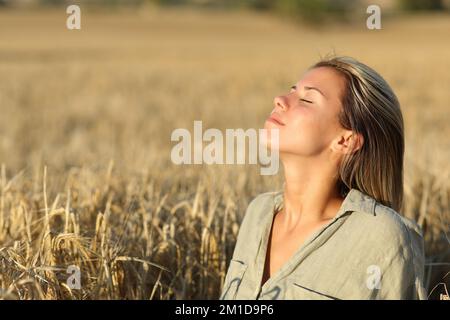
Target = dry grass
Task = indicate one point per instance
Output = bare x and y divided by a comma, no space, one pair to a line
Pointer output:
85,131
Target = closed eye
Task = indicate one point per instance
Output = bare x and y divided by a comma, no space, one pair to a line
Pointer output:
308,101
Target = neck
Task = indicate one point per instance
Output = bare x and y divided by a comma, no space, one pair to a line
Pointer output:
310,191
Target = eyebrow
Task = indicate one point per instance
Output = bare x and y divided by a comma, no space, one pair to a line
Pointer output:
309,88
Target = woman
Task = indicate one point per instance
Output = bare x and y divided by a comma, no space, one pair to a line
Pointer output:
333,232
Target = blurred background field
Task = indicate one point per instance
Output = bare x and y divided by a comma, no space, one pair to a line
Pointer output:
85,124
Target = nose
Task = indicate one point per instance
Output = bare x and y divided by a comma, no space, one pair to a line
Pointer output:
280,102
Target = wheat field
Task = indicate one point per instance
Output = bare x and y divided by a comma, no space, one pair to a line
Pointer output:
86,118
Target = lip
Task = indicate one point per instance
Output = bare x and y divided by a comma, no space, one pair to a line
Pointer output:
274,119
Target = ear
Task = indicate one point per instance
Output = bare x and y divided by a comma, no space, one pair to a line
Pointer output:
348,142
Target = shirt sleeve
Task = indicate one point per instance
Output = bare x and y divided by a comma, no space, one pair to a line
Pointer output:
245,243
250,228
403,276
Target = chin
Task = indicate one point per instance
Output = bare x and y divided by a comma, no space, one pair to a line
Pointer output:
268,125
266,138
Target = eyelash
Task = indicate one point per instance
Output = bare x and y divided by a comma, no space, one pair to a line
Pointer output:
308,101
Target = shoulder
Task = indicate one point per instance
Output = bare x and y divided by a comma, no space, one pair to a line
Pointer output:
390,232
264,199
396,245
252,224
261,205
395,226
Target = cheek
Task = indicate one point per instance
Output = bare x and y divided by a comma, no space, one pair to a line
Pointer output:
307,132
303,122
299,131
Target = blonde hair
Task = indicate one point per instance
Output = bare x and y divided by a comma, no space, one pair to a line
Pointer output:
370,108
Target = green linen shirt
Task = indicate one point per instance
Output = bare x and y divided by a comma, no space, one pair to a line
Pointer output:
367,251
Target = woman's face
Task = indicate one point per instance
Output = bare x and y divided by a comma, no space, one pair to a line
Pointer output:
307,116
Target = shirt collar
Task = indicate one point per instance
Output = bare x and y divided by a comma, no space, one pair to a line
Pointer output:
355,200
